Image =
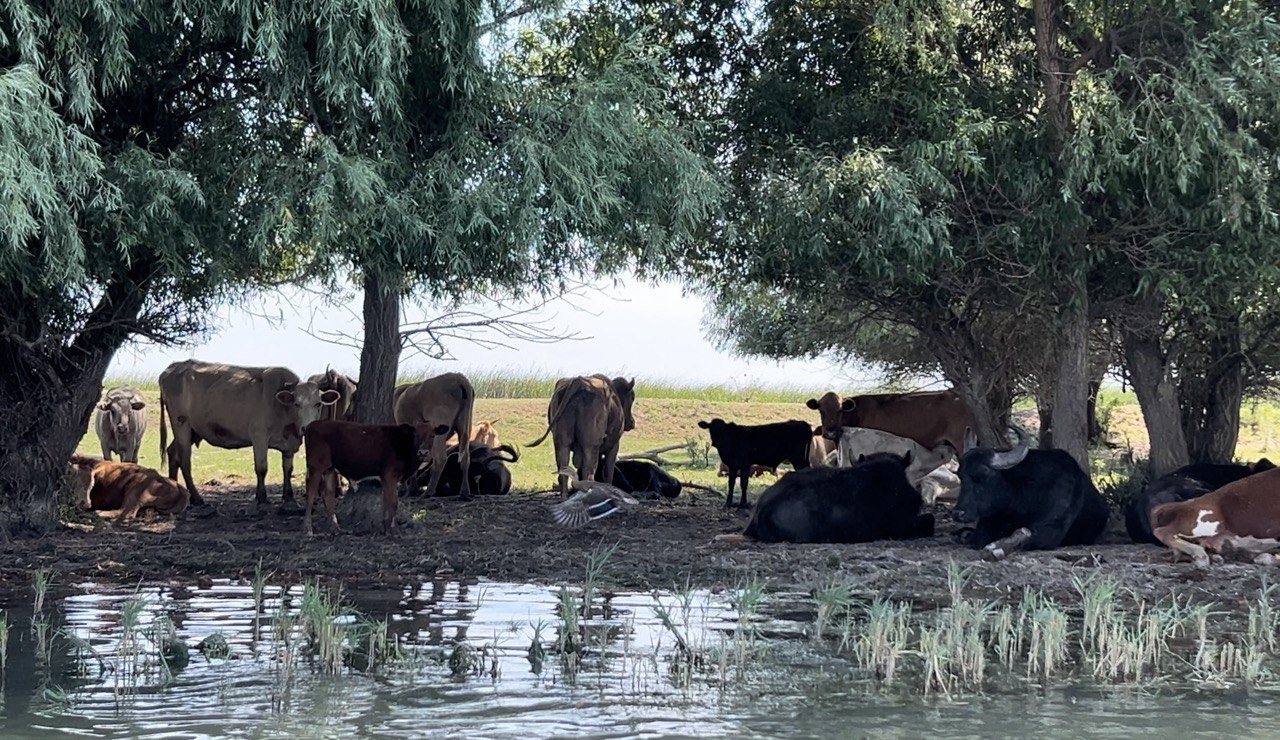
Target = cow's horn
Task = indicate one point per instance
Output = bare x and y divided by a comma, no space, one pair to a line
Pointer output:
970,439
1004,460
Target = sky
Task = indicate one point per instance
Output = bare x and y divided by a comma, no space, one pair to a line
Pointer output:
654,332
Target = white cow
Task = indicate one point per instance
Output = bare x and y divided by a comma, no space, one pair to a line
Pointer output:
856,442
120,423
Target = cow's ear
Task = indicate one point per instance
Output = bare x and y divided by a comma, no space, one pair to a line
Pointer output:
812,403
847,405
138,405
104,406
861,458
970,439
704,425
285,397
329,398
906,459
441,429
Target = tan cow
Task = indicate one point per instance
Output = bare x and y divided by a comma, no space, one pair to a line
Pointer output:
344,409
125,486
266,408
121,422
484,434
586,418
446,400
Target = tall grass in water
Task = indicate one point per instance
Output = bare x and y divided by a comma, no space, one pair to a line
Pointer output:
324,623
43,579
597,561
4,644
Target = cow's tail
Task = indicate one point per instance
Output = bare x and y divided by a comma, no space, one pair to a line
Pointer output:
556,410
164,433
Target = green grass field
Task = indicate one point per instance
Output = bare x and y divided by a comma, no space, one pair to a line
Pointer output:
665,415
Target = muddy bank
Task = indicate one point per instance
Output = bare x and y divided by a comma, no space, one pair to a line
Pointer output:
661,544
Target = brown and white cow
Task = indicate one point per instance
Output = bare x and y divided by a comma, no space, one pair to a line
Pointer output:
121,422
586,418
1244,515
266,408
344,409
356,451
447,400
930,418
128,487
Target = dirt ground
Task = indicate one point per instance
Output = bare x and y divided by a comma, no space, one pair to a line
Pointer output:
660,544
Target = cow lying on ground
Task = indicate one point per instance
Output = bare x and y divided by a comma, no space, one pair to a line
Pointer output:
1244,515
488,471
1026,499
388,451
740,446
869,501
756,471
446,399
820,448
643,477
856,442
125,486
485,434
1183,484
930,418
120,423
586,418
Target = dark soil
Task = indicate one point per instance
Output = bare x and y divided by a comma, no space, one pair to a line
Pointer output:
660,544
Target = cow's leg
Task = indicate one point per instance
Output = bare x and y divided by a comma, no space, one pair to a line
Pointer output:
742,495
286,469
106,450
610,462
1004,546
133,503
390,501
1174,541
260,469
313,485
590,461
733,478
562,462
330,500
180,459
465,461
439,456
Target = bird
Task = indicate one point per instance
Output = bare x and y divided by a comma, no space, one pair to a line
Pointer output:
592,500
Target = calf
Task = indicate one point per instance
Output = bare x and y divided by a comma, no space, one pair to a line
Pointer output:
820,448
741,446
1183,484
388,451
871,501
1026,499
642,476
121,422
856,442
1244,514
127,487
488,471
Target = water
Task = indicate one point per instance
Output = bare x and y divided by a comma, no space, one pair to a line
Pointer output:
629,685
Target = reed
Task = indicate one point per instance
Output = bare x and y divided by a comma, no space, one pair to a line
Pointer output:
323,621
832,599
43,579
4,644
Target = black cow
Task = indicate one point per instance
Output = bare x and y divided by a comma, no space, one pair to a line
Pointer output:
488,471
643,477
1183,484
741,446
1026,499
871,501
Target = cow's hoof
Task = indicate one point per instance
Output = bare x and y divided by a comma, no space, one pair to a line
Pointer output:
1201,563
288,508
1265,558
993,553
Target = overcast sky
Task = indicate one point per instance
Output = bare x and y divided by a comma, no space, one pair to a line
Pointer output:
652,332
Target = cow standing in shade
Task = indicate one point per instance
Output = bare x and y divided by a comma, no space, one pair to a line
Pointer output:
930,418
344,409
120,423
586,419
266,408
1026,499
742,446
447,400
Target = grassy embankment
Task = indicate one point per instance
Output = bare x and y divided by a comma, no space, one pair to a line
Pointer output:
665,414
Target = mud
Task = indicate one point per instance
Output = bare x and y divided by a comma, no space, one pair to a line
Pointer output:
660,544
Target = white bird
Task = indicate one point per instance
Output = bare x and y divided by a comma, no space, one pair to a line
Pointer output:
593,500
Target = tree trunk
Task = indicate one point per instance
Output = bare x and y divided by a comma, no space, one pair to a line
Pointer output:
380,355
1071,394
1211,399
990,402
1044,409
1152,380
1091,412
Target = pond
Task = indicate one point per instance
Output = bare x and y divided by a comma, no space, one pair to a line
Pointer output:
102,660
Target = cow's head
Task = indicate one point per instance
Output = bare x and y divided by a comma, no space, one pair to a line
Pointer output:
1261,465
833,412
307,401
626,390
719,429
119,408
905,459
485,433
983,488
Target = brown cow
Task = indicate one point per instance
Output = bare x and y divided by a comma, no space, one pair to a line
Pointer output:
820,448
386,451
483,434
930,418
1244,515
586,418
125,486
266,408
344,409
445,399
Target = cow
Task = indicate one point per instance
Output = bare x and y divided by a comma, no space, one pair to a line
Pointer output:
266,408
1026,499
125,486
740,446
1183,484
856,442
1244,515
930,418
643,477
355,451
820,448
489,474
120,423
870,501
484,433
756,470
344,409
586,418
446,399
